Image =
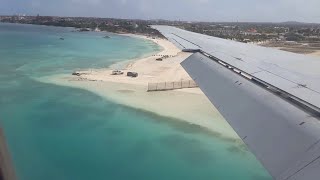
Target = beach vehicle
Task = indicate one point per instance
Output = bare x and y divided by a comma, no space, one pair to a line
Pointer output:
159,59
116,72
132,74
76,74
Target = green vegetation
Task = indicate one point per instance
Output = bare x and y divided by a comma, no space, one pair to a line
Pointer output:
243,32
86,24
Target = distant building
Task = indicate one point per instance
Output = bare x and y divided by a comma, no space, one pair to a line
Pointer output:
252,30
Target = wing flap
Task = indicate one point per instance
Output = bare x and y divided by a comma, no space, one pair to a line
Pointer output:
282,136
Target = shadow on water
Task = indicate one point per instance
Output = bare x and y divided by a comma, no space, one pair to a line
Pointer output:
183,126
237,145
239,148
189,149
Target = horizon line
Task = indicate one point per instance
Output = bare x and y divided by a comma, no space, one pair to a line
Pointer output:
160,19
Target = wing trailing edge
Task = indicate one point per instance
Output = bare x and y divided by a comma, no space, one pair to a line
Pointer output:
282,135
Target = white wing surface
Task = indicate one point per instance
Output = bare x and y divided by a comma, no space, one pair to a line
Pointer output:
270,97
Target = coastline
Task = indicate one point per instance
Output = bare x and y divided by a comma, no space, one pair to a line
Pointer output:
188,105
315,54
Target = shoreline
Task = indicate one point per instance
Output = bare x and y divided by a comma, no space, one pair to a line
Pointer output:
188,105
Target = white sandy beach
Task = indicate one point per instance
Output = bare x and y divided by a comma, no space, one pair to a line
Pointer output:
148,68
317,53
189,105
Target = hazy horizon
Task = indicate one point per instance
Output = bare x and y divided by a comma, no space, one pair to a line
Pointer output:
271,11
195,21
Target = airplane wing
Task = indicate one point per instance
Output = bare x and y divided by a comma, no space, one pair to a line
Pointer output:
271,98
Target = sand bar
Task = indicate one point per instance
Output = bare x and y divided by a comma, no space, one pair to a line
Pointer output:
189,105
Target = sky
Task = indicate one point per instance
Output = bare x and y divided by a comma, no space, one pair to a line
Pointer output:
187,10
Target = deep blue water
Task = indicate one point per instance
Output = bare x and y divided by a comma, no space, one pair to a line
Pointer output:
63,133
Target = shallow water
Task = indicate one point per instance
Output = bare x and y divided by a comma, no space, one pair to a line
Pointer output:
64,133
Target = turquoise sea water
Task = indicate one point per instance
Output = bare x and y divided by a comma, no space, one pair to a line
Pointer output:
60,133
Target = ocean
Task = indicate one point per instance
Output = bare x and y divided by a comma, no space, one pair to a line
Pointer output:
61,133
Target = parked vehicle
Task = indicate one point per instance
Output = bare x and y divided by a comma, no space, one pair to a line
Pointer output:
116,72
132,74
